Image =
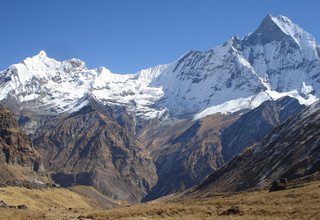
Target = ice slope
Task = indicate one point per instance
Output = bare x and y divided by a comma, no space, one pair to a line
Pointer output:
252,102
286,62
278,59
131,90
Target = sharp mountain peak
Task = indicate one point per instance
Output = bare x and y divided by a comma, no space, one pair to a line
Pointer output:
225,73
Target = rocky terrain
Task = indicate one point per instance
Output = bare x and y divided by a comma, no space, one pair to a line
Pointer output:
186,153
88,147
255,124
144,135
191,150
290,151
19,160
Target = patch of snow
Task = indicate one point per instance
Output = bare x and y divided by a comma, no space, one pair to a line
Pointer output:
29,97
252,102
234,105
78,106
305,89
294,94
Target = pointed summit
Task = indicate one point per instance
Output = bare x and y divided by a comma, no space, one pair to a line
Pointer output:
40,57
267,17
277,29
267,32
302,38
286,25
42,53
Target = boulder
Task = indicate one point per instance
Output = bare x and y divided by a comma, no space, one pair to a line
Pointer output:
3,204
22,207
279,184
233,210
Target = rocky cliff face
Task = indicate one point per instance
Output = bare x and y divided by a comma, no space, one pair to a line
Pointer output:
290,151
186,153
255,124
189,151
19,160
88,147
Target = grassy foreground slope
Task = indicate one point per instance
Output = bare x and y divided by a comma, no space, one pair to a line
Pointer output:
300,202
41,203
44,198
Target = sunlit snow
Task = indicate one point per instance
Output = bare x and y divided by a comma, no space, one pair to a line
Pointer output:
225,79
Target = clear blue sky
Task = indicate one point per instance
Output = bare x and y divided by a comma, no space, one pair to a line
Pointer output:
128,35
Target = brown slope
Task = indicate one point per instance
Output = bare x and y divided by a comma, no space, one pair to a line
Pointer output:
255,124
186,152
90,148
19,160
292,151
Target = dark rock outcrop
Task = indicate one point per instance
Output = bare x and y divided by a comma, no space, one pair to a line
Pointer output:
3,204
22,207
279,184
233,210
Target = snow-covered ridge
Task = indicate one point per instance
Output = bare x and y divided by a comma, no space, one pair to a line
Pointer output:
306,41
46,84
49,86
254,101
130,90
240,74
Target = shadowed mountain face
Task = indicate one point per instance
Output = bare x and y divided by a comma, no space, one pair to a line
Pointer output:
186,153
88,147
255,124
267,32
189,151
291,150
19,160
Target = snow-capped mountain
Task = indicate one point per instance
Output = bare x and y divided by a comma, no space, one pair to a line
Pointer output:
132,90
283,55
46,85
278,59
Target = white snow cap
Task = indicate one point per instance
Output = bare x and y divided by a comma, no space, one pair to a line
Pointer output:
237,75
306,41
42,53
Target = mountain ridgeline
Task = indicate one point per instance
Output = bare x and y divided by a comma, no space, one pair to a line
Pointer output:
211,115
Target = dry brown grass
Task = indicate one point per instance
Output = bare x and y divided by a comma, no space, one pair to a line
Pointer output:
42,204
98,198
44,198
296,203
